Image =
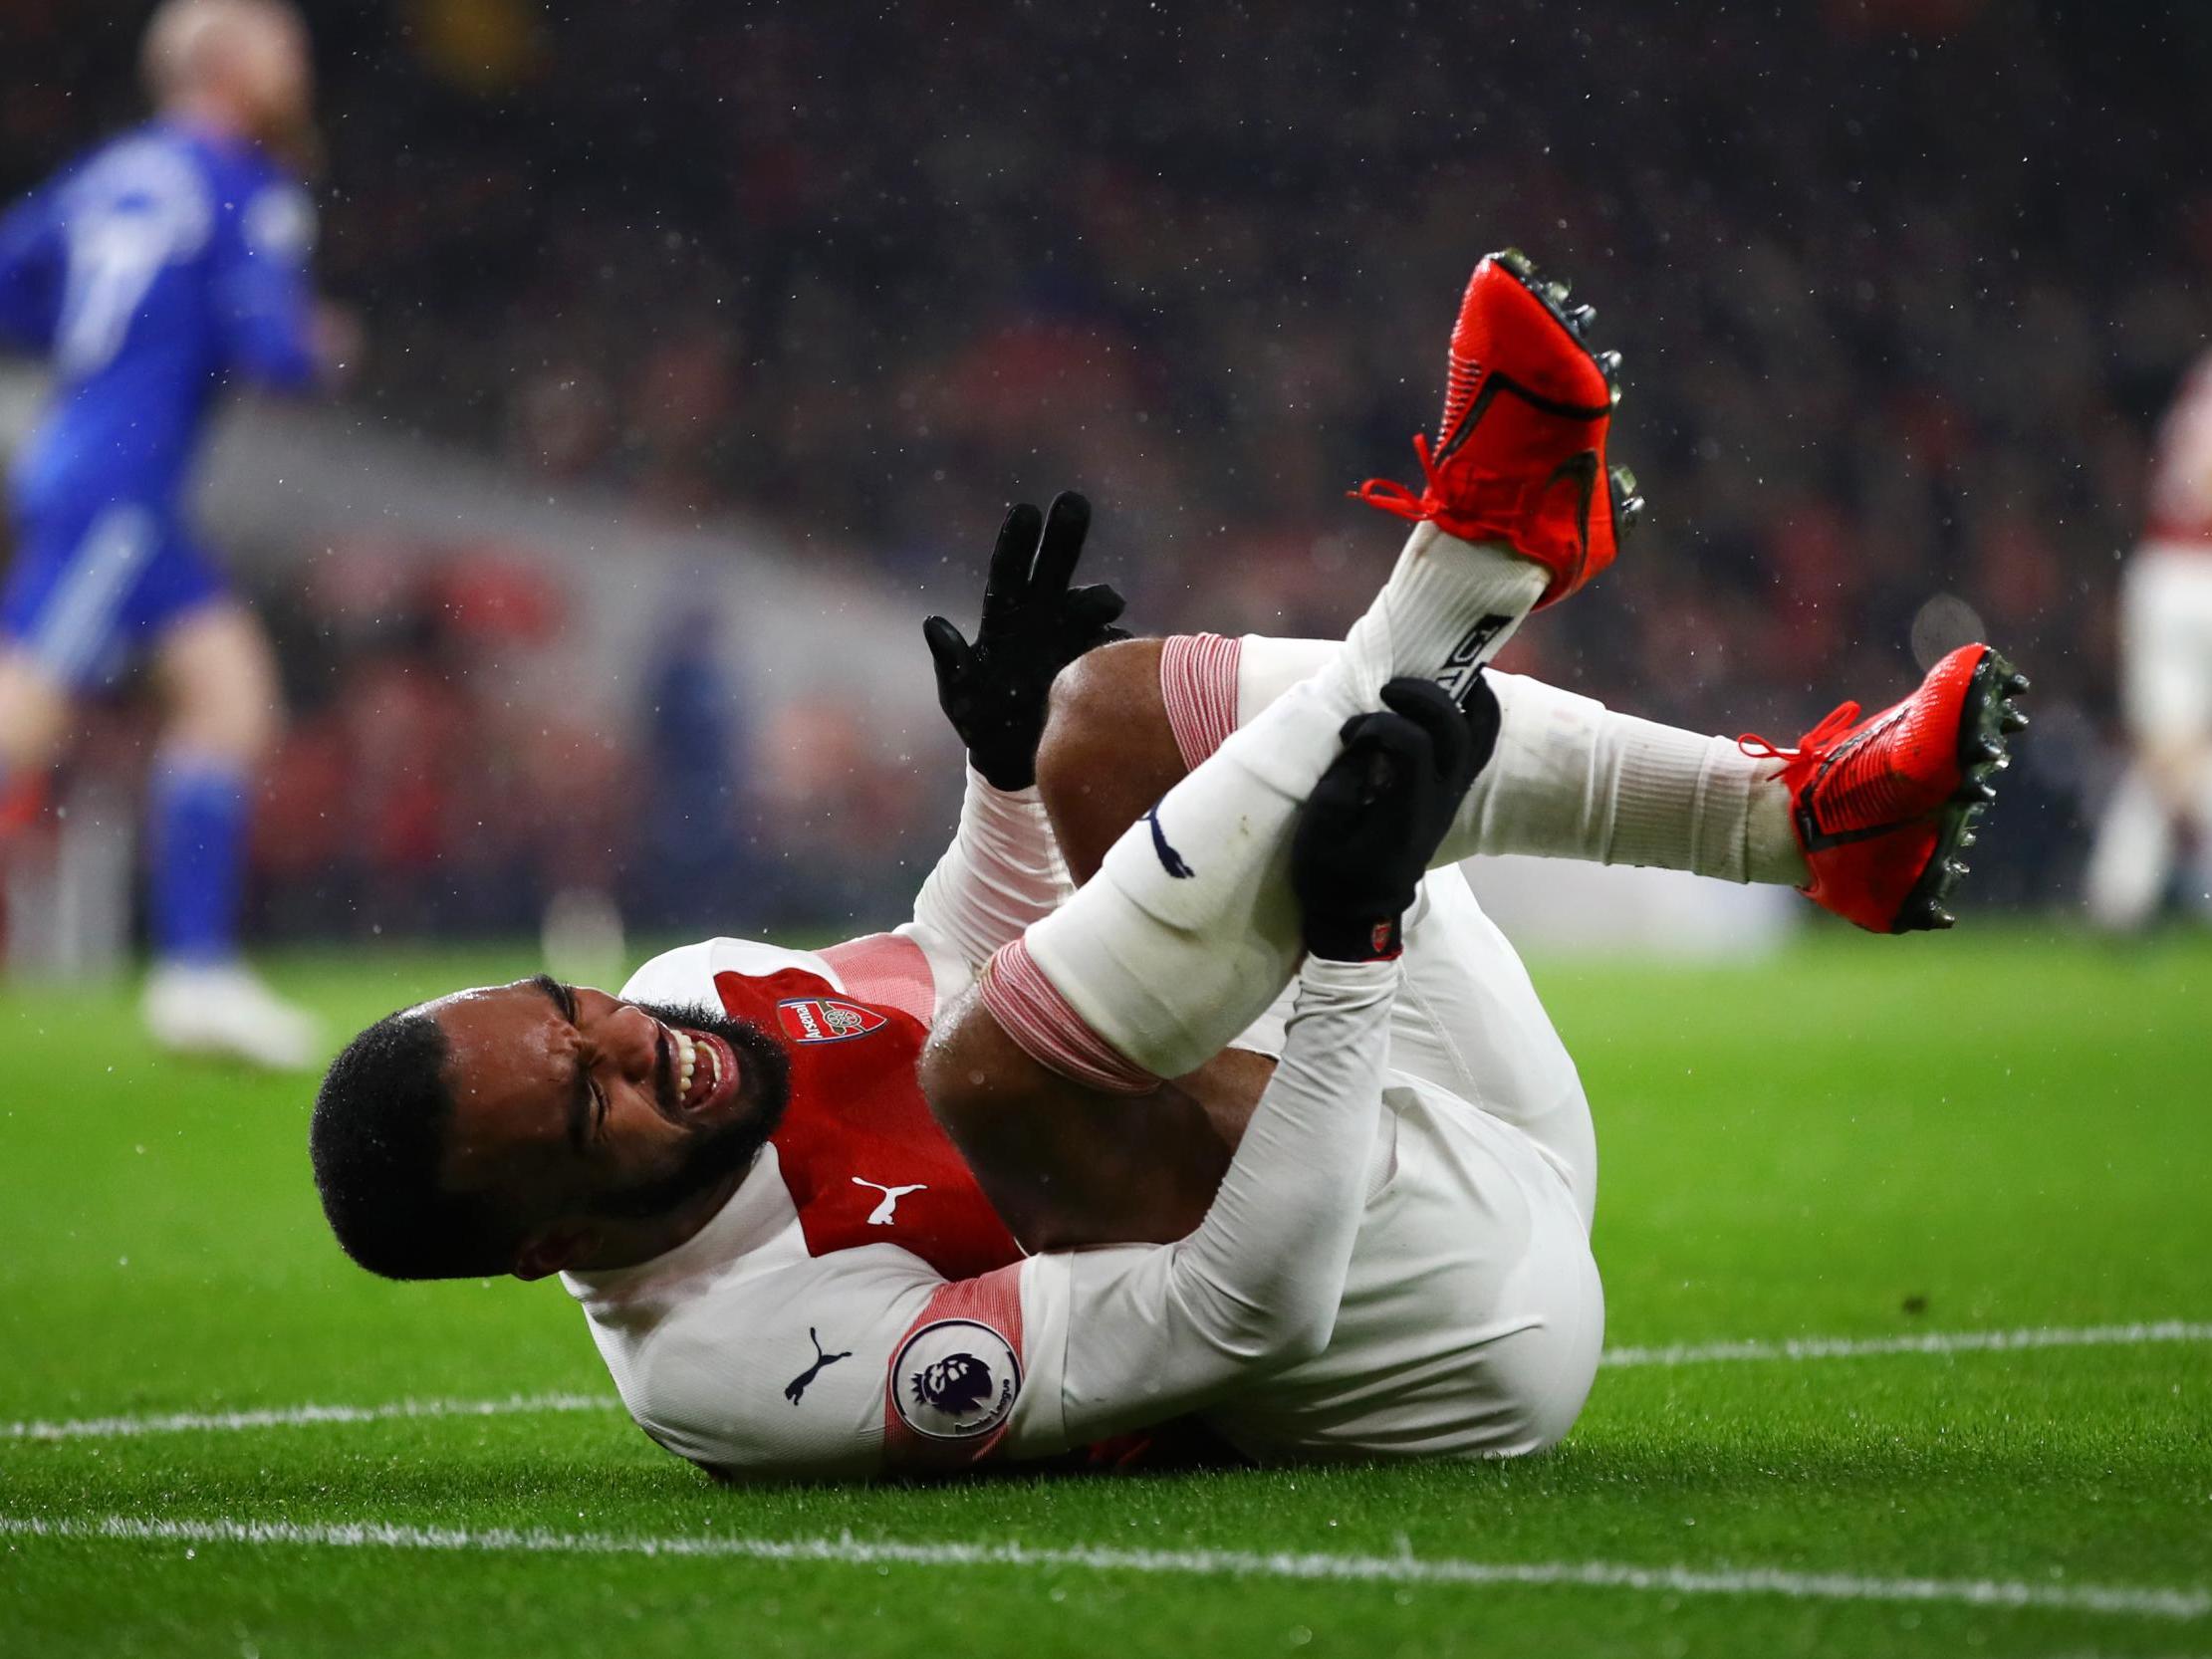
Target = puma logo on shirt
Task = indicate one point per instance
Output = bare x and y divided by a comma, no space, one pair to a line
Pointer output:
798,1384
885,1213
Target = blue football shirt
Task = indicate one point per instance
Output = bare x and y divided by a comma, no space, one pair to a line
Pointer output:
150,272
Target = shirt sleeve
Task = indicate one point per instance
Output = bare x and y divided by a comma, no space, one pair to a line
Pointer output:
31,269
264,300
1154,1332
1002,872
844,1367
869,1362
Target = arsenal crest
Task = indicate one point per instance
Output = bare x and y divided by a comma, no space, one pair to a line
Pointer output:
826,1020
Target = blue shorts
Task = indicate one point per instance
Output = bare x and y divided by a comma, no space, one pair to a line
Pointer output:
87,593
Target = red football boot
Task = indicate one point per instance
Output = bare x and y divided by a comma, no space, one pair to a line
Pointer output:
1520,455
1883,806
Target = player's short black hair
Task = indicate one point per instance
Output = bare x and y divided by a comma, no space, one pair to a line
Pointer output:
377,1141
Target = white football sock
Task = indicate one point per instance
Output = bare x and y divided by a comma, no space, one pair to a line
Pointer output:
1571,779
2132,861
1188,930
2198,888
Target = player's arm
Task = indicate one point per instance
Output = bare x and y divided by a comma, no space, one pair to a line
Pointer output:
271,329
32,263
1004,870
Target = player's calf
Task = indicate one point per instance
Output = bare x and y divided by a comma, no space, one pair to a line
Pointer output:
34,715
1065,1165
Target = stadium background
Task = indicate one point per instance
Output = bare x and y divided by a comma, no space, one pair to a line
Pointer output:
1902,289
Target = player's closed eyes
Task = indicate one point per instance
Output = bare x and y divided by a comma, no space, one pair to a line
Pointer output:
563,998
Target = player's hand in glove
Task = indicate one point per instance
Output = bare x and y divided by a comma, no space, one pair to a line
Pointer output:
1034,624
1379,813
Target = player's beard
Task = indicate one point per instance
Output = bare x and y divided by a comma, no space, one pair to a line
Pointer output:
716,1151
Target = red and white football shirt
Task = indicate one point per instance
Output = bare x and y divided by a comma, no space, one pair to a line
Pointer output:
860,1216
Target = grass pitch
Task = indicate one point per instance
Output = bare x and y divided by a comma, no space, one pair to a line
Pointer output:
1869,1140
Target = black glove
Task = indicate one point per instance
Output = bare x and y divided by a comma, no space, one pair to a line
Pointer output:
1379,813
1033,625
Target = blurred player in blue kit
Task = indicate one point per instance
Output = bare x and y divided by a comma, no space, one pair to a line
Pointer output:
150,272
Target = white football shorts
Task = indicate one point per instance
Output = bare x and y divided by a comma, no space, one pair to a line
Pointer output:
2167,643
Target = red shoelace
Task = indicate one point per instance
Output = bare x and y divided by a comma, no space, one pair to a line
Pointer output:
1839,720
1395,498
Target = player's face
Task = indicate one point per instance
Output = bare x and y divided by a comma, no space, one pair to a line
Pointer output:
575,1107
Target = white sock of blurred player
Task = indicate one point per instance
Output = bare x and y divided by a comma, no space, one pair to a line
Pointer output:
2132,863
2197,827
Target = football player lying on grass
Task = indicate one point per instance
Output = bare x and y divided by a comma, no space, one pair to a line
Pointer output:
1262,1126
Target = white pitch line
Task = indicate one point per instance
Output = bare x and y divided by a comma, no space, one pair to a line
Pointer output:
298,1416
1691,1353
1934,1342
2121,1600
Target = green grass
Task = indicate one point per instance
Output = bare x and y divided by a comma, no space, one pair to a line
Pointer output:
1863,1138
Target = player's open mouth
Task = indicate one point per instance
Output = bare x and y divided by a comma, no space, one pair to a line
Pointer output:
704,1071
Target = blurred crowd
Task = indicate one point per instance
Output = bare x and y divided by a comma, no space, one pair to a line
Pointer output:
1901,284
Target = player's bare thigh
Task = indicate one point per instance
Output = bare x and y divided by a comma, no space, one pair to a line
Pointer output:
218,673
34,712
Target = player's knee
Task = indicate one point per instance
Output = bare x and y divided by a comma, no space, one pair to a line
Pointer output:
260,728
974,1076
219,673
949,1070
1105,708
231,710
971,1075
239,732
34,715
1107,752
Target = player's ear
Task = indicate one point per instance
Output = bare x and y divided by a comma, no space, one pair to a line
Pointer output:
551,1249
